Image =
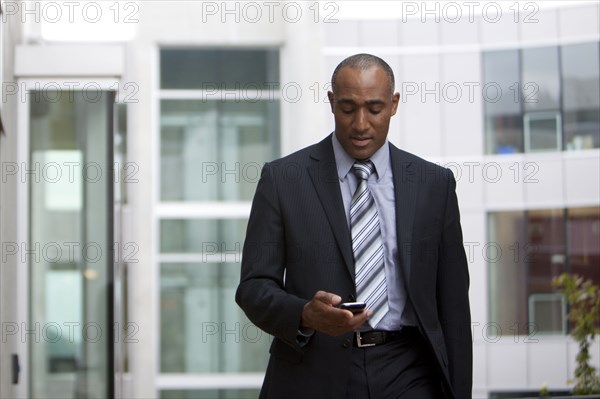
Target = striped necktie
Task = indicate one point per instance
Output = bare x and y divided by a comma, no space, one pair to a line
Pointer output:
367,246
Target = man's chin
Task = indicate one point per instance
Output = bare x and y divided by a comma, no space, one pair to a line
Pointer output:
362,154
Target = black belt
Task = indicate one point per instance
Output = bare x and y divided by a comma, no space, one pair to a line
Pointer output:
372,338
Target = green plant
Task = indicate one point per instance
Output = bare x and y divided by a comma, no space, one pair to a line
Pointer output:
583,298
544,393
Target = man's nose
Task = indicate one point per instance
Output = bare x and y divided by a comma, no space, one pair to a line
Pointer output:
361,122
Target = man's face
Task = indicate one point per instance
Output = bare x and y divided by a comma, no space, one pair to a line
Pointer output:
362,108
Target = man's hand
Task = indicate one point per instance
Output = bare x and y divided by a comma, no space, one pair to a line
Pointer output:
320,314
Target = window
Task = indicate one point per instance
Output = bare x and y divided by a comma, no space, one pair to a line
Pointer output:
581,95
213,150
542,99
539,67
542,131
503,121
219,123
223,69
525,252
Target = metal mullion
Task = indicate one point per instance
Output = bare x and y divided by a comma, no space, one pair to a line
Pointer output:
203,210
200,381
199,257
220,95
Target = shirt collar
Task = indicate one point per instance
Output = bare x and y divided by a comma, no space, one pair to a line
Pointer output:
344,162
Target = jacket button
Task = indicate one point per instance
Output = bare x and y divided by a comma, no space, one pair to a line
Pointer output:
346,344
351,298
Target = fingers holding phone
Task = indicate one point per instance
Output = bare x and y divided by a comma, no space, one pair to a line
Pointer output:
324,313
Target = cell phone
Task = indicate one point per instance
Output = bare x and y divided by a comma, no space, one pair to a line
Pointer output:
354,307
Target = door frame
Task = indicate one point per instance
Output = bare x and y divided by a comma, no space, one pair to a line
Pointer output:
22,305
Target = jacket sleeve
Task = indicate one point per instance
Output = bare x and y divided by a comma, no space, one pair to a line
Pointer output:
261,292
453,297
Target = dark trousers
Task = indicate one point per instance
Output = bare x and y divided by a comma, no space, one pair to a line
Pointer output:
400,369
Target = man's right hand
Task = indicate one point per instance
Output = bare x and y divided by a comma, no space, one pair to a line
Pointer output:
320,314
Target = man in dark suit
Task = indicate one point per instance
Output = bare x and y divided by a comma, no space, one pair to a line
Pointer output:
304,254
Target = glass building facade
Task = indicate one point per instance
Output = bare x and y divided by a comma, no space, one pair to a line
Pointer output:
542,99
219,123
529,249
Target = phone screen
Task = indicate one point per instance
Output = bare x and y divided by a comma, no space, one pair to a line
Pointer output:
354,307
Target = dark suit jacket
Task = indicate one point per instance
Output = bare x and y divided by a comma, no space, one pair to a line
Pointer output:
298,242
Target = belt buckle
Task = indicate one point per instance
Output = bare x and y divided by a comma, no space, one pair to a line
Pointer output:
359,341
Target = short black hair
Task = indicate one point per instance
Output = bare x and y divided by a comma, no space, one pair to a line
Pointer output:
364,61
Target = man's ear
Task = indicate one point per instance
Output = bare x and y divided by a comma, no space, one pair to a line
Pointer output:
331,100
395,101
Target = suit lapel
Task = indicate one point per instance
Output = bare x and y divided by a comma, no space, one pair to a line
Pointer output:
405,186
323,174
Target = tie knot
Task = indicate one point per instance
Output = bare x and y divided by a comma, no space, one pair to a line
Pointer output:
363,169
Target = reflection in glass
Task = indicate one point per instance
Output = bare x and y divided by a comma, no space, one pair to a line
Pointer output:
546,237
580,67
502,100
214,150
583,241
202,328
541,79
562,80
506,255
214,69
71,235
124,174
202,235
536,246
219,124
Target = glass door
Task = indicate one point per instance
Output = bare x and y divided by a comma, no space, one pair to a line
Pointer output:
71,231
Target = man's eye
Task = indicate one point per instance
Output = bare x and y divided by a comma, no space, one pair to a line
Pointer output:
347,111
375,111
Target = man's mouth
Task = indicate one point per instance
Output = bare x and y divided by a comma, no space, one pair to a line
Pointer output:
360,141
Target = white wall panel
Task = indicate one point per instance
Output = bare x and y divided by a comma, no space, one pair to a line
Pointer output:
480,370
547,351
69,60
422,124
417,31
463,31
538,25
219,24
542,179
503,31
582,179
579,21
502,188
469,181
507,364
395,134
474,237
461,105
301,69
342,33
379,33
